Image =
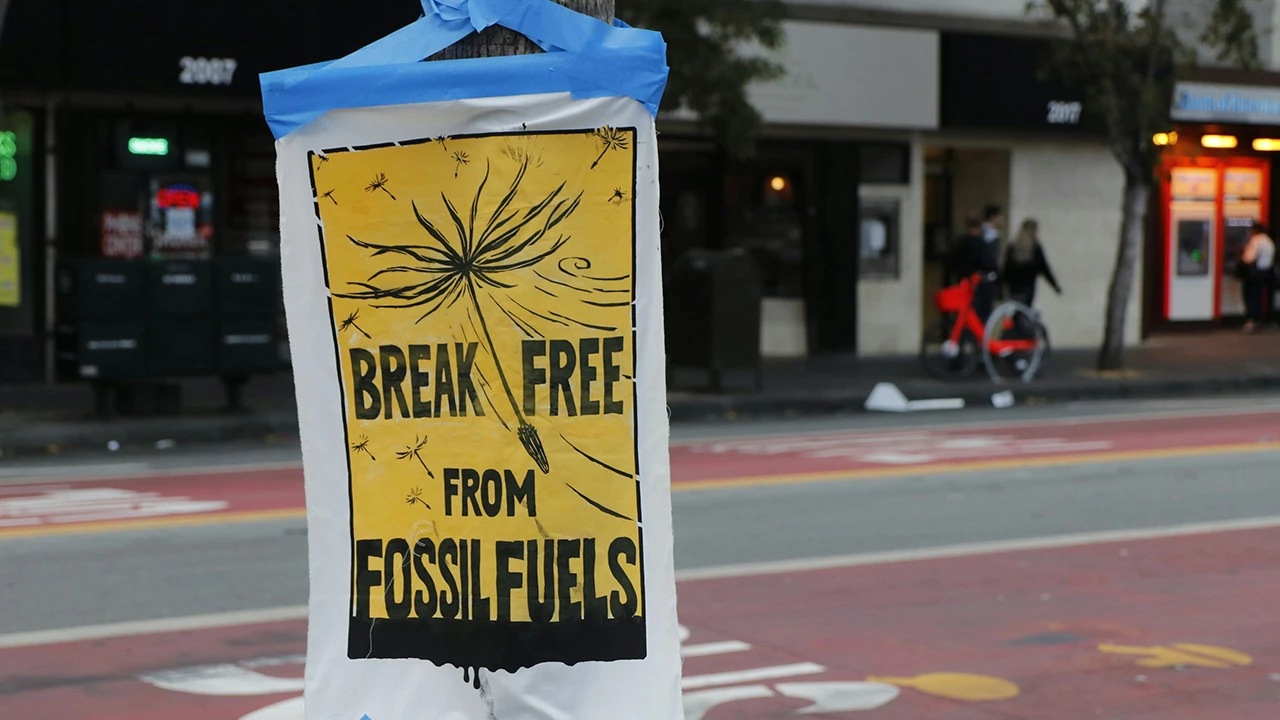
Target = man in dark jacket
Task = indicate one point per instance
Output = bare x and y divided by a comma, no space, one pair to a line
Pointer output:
978,252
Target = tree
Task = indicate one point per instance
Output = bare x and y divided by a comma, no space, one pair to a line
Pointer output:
709,70
1125,56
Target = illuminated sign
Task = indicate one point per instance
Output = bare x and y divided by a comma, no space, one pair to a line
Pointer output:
148,146
178,196
8,153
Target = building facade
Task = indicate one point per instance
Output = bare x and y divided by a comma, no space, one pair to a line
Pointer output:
895,121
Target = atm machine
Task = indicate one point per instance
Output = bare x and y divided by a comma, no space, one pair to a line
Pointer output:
1211,205
1192,252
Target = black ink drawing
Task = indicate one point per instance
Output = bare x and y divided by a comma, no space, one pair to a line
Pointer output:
444,141
460,159
350,322
363,447
322,158
415,497
329,196
415,452
481,258
612,139
380,183
618,196
522,151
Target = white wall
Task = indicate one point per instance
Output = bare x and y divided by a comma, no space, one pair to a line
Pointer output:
889,311
835,75
1002,9
1074,189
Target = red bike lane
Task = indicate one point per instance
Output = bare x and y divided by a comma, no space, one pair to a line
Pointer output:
1178,628
239,495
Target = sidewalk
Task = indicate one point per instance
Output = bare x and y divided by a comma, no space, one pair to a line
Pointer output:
48,419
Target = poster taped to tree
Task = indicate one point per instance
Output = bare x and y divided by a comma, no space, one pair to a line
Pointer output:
472,283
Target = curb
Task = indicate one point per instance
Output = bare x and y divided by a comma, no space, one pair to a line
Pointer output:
47,437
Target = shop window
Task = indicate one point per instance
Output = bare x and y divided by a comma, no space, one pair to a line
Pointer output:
879,241
885,164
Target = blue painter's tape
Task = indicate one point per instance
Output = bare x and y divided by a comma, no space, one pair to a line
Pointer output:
585,57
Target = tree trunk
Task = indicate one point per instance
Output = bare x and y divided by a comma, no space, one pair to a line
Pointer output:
1137,190
498,41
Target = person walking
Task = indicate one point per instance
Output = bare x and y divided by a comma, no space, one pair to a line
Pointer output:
976,254
1259,259
1025,263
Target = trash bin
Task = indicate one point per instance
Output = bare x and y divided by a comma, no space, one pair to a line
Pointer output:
713,313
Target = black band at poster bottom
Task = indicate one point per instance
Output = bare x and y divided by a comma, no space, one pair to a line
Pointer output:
493,646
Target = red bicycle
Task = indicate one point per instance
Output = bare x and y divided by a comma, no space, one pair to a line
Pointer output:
1013,343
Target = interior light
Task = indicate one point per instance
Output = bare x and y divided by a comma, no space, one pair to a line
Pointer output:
148,146
778,183
1219,141
1161,139
1266,145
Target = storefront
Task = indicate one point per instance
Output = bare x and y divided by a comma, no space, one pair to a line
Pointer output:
827,202
137,136
1013,137
1215,183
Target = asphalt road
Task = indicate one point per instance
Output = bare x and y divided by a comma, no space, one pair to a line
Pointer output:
85,579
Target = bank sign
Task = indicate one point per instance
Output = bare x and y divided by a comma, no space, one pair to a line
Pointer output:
1204,102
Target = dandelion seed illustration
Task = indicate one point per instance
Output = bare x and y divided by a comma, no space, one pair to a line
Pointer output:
322,158
618,196
329,196
415,452
460,158
363,447
415,497
612,139
481,258
444,141
350,322
380,183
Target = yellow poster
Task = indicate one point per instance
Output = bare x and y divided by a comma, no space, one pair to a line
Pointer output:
10,266
482,294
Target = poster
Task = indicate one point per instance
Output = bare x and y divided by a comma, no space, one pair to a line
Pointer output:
473,294
10,266
122,234
486,353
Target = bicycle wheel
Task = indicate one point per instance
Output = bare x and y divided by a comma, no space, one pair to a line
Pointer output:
1019,325
946,360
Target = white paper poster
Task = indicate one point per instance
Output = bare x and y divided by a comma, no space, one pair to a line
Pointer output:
475,314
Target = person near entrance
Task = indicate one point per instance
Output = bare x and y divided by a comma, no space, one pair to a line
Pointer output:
974,254
1025,263
1259,259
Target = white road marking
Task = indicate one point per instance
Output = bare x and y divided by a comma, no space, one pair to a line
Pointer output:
715,648
745,676
55,506
698,704
837,697
152,627
225,680
972,549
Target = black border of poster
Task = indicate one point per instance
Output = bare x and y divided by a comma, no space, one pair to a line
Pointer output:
473,643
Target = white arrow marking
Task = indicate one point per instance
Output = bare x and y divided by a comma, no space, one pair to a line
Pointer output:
290,709
715,648
222,680
756,674
835,697
697,704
